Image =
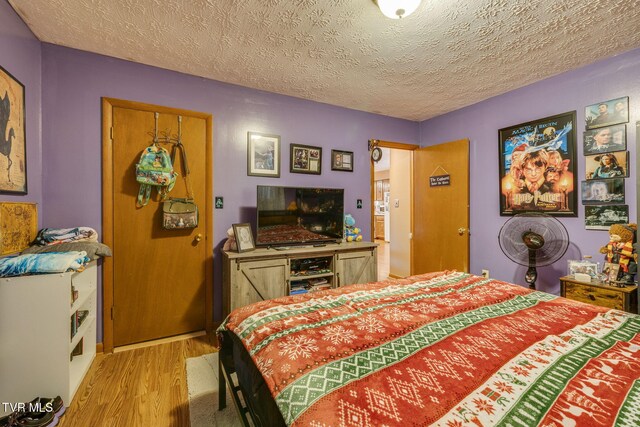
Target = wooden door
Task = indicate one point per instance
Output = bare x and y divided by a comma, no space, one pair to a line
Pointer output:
441,214
255,281
161,279
356,267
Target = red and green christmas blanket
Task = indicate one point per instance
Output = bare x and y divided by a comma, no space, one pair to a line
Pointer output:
444,349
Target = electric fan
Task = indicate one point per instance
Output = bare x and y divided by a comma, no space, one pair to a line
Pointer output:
534,240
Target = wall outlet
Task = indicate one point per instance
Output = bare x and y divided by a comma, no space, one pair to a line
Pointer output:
485,273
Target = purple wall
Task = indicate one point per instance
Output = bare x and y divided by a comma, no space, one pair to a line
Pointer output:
74,81
20,56
612,78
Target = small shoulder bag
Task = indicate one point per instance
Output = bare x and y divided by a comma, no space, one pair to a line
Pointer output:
180,213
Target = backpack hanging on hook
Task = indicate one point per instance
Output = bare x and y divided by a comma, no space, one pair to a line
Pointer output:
154,170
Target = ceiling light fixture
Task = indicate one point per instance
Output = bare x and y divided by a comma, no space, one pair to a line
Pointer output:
396,9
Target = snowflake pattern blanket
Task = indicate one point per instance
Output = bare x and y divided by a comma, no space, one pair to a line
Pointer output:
445,349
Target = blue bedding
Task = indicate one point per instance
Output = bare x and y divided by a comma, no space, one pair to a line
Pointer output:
51,262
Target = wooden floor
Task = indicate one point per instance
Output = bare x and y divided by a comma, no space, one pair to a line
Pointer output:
140,387
383,259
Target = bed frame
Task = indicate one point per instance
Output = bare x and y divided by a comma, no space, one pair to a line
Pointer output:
225,369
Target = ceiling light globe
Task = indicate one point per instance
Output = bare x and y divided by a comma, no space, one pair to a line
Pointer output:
396,9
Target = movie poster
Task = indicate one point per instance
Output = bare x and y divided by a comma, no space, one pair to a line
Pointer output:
538,167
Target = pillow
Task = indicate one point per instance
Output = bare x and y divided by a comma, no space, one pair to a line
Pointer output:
93,249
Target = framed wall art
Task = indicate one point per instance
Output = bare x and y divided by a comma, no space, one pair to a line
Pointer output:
607,113
537,162
605,139
607,165
305,159
603,217
263,155
342,160
602,191
13,141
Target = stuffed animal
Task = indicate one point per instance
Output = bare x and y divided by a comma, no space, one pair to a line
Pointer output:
230,244
621,250
351,232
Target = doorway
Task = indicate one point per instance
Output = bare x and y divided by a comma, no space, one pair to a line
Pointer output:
159,282
391,204
429,227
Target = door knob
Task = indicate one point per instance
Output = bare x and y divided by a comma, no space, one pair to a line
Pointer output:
461,231
198,237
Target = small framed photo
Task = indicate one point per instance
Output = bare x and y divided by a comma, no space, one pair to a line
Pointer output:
603,217
607,113
607,165
611,272
244,237
606,139
342,160
603,191
583,266
305,159
263,155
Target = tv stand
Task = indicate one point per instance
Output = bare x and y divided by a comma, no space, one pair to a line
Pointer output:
278,271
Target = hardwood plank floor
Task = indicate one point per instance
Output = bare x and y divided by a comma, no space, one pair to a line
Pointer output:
139,387
383,259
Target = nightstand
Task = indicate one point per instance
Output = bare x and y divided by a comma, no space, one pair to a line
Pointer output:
598,294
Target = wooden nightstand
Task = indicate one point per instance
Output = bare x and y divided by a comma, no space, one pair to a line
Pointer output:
598,294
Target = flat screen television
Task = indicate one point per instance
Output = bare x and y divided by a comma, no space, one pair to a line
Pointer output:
296,215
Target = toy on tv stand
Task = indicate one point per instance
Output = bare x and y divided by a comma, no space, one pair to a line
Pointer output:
621,250
351,232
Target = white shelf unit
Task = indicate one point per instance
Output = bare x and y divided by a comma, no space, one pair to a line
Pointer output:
35,334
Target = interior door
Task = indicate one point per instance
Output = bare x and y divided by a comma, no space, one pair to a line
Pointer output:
160,277
441,213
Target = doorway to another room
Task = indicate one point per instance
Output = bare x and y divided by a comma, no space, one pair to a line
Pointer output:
392,203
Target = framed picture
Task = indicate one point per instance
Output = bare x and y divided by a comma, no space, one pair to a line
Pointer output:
537,164
607,113
583,266
244,237
605,139
342,160
603,217
13,141
602,191
611,272
607,165
305,159
263,155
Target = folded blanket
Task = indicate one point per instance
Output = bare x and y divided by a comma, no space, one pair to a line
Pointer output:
52,262
53,236
94,250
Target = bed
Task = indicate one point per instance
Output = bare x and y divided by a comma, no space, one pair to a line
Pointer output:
444,349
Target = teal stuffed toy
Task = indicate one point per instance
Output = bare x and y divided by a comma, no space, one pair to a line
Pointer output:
351,232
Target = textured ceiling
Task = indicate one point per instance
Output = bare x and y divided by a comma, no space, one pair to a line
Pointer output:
447,55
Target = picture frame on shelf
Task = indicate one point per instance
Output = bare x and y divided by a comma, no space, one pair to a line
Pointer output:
244,237
605,139
607,165
305,159
342,160
607,113
263,155
602,191
611,271
13,160
582,266
537,167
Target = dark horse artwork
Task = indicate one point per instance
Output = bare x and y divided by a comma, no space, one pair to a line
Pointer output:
5,141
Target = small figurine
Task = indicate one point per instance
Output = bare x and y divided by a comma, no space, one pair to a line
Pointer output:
621,250
352,233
